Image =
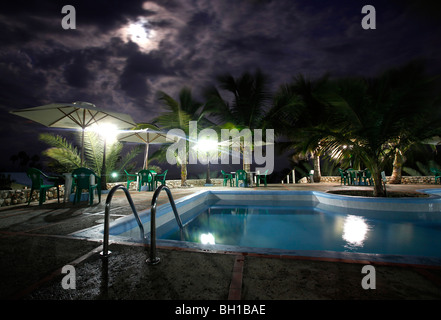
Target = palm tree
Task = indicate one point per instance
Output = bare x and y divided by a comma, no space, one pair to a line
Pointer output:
409,77
66,157
178,114
296,107
247,109
375,117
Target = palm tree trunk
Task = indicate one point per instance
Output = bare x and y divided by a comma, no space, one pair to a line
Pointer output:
379,190
183,174
247,168
317,173
397,167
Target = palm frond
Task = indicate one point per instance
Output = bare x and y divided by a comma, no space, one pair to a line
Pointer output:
113,156
93,150
66,157
56,141
129,156
61,151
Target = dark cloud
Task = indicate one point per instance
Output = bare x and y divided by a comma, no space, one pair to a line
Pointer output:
191,42
77,74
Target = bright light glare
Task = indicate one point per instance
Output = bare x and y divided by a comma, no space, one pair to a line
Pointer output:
207,238
355,230
206,145
105,130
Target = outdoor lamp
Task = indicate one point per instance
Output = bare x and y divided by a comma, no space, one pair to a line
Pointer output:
207,145
108,132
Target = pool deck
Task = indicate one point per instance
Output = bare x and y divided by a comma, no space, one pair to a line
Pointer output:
36,243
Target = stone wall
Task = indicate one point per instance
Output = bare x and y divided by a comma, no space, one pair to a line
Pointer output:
404,179
174,183
13,197
416,179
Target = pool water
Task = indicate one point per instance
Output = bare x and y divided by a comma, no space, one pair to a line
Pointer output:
309,228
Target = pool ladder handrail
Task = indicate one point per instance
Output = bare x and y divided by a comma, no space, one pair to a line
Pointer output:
153,259
105,253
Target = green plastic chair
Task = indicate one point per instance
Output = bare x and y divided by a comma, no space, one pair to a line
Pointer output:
352,176
368,177
260,177
227,177
241,175
160,178
38,183
81,181
130,178
145,178
344,178
437,174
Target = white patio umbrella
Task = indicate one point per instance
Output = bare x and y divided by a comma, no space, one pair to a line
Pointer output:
147,136
76,115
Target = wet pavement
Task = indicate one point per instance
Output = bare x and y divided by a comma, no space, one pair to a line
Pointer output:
36,243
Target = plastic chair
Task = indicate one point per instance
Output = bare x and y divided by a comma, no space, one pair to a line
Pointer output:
352,176
227,177
241,175
81,181
437,174
145,177
368,177
160,178
260,177
130,178
344,178
38,183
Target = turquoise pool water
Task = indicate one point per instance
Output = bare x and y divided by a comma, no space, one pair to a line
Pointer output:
309,228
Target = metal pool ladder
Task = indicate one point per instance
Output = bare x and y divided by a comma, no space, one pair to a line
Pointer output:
153,259
105,253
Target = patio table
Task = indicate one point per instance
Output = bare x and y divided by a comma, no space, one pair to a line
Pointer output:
359,174
251,173
67,185
252,177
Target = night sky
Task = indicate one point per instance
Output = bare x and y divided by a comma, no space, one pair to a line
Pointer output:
122,52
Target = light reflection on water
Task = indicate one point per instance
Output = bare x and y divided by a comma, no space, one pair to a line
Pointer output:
355,231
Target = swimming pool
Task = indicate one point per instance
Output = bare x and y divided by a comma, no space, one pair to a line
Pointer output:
308,229
307,223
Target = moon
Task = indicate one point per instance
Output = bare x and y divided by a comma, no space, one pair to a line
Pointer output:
140,32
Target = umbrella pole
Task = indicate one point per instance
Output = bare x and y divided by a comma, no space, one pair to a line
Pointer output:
103,169
82,147
146,156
